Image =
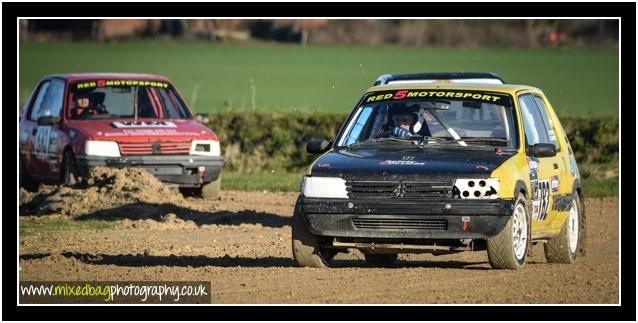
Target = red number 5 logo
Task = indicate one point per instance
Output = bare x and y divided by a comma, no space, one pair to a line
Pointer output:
400,94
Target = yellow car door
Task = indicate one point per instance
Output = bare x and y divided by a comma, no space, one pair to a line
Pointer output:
544,167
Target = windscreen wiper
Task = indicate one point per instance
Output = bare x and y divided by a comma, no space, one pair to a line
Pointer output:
437,140
482,140
409,139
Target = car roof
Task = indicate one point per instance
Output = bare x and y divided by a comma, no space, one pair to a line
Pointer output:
505,88
109,76
429,77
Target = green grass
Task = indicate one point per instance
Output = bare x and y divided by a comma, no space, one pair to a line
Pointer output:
331,78
39,226
600,187
262,181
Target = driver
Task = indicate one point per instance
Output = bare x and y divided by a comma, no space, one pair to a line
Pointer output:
82,105
403,123
88,104
401,120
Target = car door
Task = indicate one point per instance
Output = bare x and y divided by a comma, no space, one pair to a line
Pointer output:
44,139
29,128
561,179
542,169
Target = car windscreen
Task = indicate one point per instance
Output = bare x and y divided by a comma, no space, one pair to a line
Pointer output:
439,116
111,99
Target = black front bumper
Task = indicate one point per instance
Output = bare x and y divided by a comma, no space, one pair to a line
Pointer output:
176,169
406,219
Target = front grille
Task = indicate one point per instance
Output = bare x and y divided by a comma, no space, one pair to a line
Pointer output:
399,224
143,148
175,148
146,148
399,190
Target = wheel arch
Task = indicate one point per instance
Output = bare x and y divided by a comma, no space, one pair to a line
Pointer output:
66,148
520,187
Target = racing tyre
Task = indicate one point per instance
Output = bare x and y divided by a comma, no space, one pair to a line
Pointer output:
509,248
563,248
211,190
305,245
381,260
70,174
24,180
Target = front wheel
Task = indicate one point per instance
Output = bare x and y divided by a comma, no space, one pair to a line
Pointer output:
211,190
563,248
305,245
509,248
70,173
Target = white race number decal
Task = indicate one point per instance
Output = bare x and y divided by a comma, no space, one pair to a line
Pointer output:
42,141
540,201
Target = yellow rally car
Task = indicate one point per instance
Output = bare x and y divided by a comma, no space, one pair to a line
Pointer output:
442,163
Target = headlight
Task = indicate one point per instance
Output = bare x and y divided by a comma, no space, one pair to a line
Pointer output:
101,148
205,148
328,187
478,188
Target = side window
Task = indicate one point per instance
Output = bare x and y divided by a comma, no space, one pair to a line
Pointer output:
547,121
53,98
533,123
38,101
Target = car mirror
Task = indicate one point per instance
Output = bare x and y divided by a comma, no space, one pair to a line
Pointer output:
202,117
48,120
543,150
318,146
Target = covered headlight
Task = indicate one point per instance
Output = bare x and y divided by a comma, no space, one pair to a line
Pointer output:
205,148
478,188
101,148
328,187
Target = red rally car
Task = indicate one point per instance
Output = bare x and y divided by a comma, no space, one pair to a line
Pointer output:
74,122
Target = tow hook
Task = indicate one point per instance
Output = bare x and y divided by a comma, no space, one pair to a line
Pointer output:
200,171
466,222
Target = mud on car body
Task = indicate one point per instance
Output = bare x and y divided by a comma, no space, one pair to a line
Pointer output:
130,120
477,166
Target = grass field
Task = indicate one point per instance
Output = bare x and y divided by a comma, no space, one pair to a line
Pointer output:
262,181
285,77
601,187
42,226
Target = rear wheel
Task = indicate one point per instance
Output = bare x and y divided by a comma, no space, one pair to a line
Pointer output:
563,248
305,245
381,260
70,174
509,248
23,177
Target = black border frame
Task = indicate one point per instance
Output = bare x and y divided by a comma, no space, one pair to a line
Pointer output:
627,10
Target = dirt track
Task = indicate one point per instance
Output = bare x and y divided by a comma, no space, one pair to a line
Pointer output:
241,243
